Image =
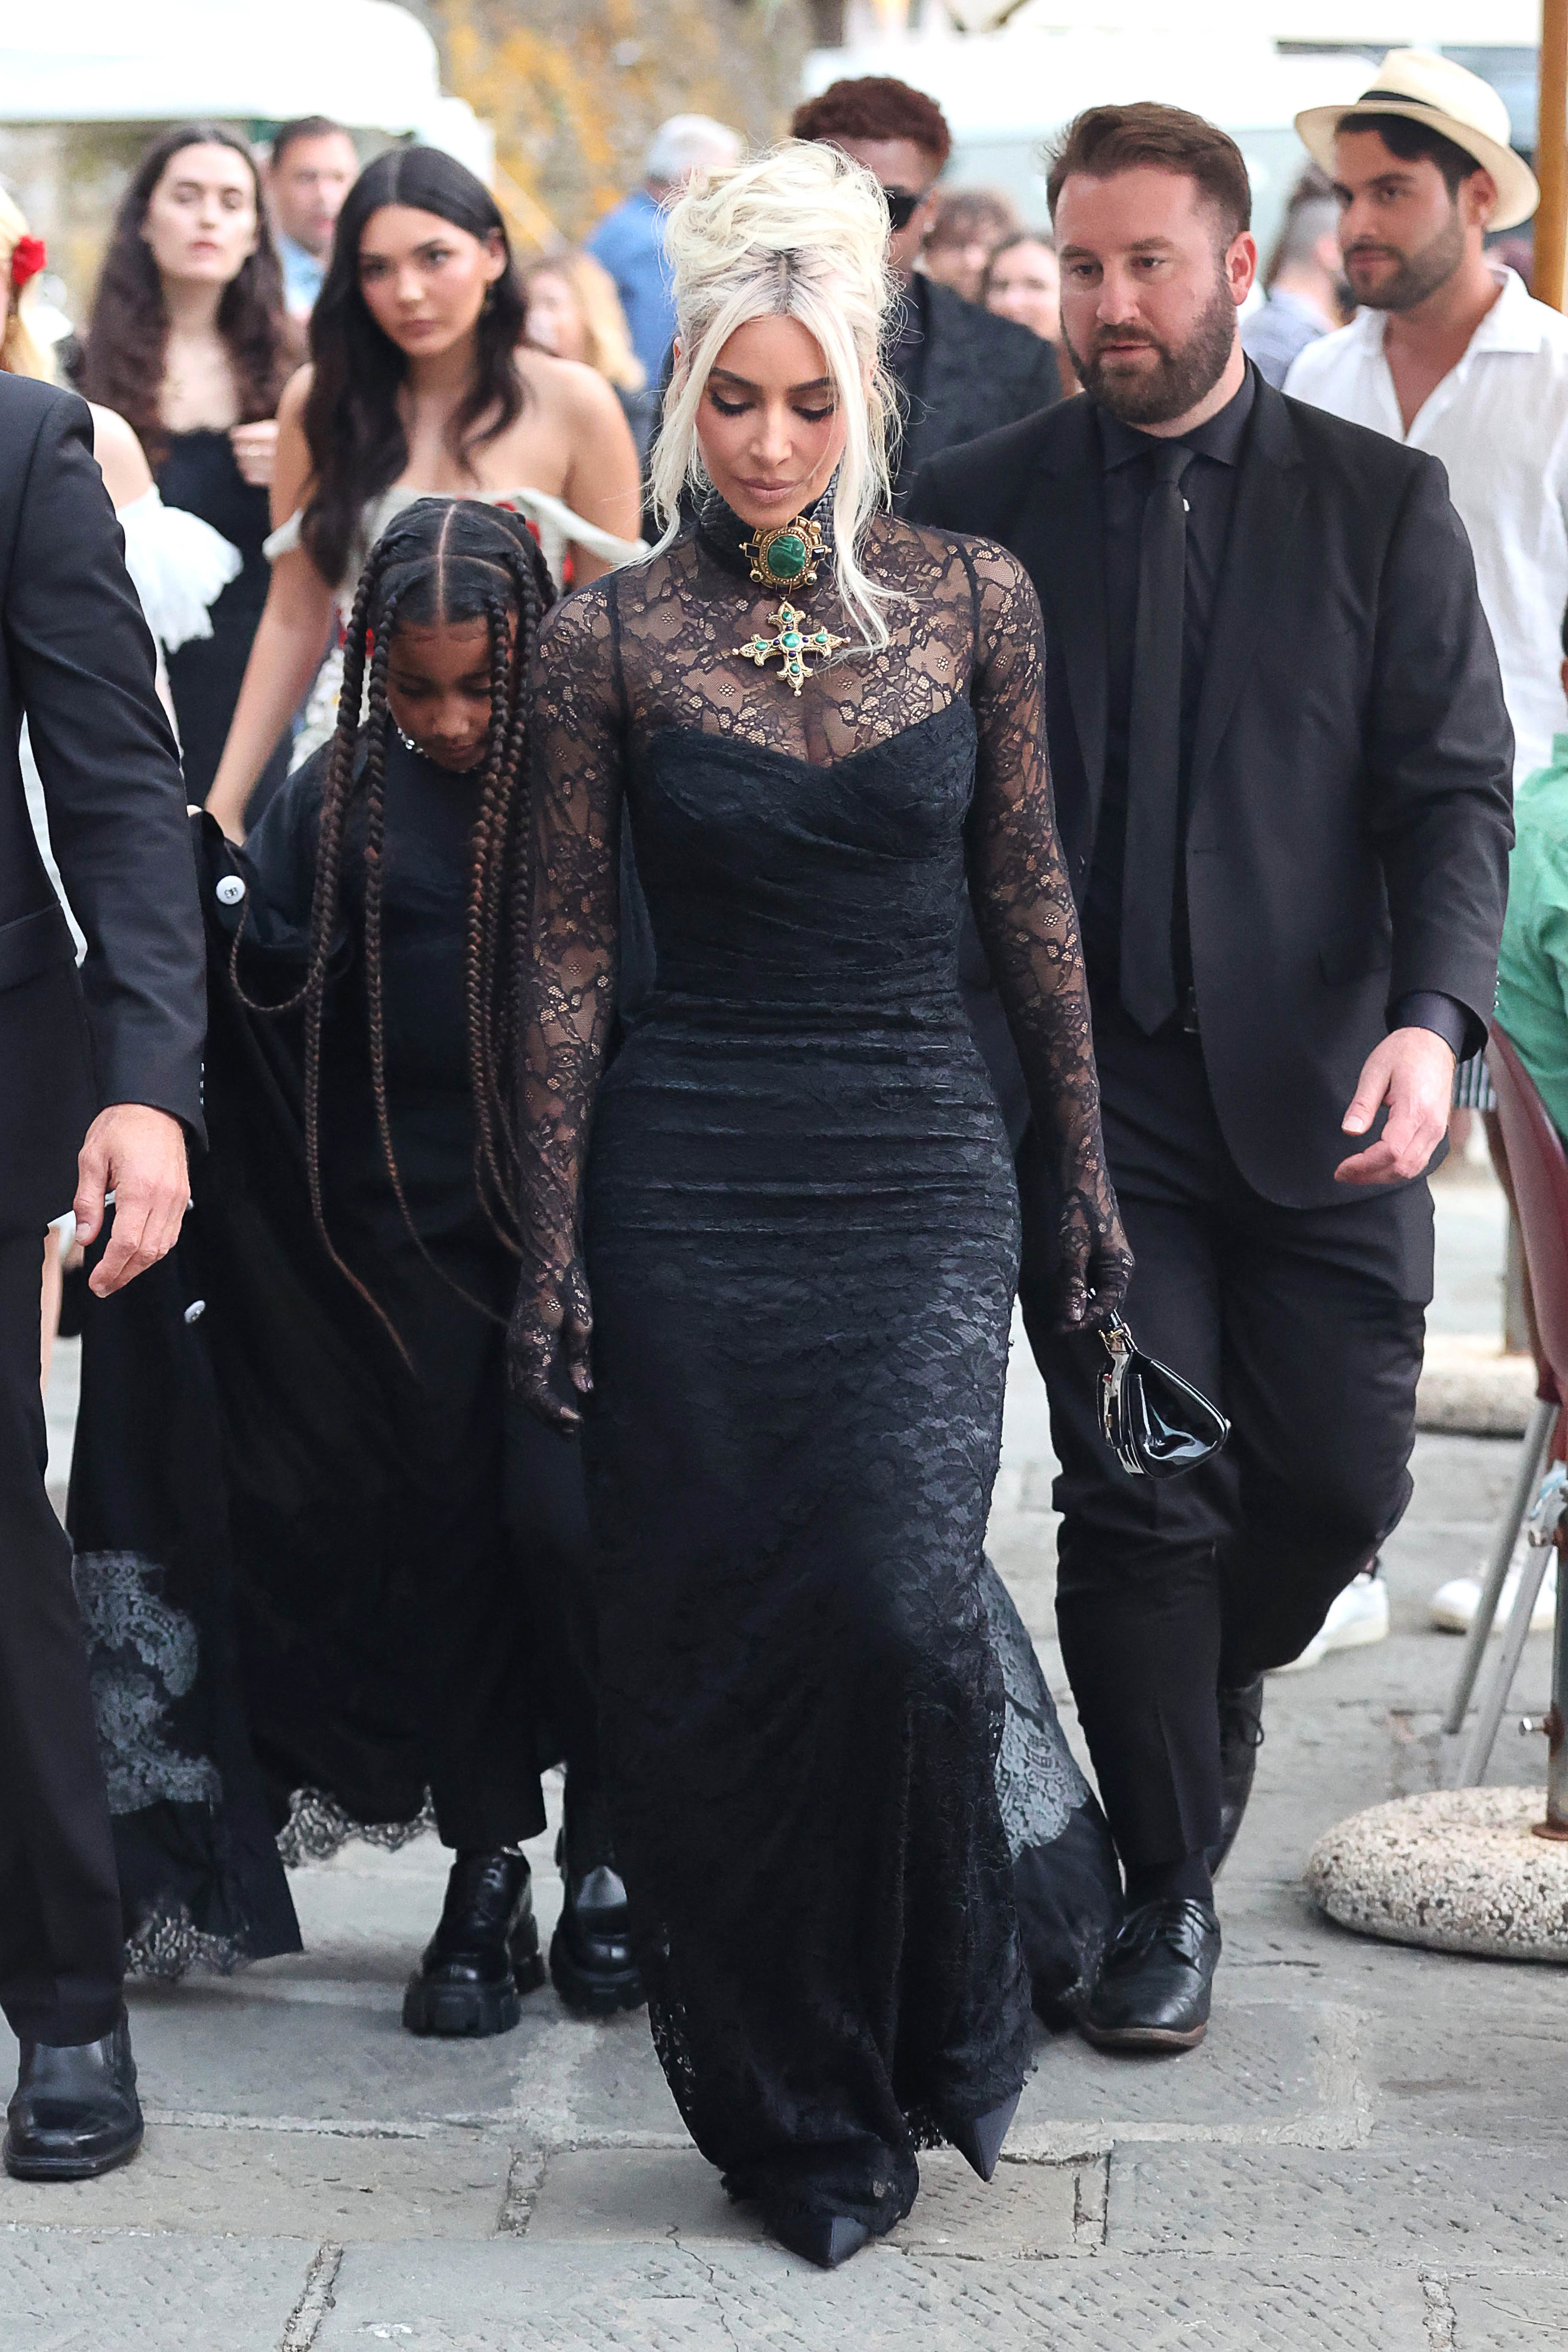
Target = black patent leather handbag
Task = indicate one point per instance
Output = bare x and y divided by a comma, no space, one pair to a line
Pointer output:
1156,1424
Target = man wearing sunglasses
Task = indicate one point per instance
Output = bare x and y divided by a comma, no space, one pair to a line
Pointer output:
962,371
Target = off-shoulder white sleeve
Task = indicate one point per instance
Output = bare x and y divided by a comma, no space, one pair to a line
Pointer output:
178,566
285,539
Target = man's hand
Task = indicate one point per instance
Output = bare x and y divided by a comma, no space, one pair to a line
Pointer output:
139,1155
1412,1071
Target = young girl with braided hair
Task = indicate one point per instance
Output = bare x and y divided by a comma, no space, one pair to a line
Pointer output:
394,855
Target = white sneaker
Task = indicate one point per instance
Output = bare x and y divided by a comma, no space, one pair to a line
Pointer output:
1358,1615
1454,1605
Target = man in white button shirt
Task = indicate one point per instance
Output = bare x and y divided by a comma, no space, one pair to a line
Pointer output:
1450,354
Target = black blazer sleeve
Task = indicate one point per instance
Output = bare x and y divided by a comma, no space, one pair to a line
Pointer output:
83,662
1439,758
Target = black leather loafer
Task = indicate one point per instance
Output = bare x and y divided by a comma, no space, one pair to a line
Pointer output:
591,1960
75,2112
482,1956
1240,1737
1154,1988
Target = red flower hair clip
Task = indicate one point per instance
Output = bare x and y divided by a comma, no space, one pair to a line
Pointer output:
28,256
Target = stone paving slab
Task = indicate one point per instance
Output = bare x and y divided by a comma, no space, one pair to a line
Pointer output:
718,2298
66,2290
616,2196
1459,2203
1498,2311
284,2184
1268,2068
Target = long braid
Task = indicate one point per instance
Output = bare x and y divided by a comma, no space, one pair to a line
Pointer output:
483,906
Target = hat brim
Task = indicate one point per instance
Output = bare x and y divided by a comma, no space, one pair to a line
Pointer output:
1517,190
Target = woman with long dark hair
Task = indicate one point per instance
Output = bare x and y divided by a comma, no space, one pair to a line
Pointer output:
417,388
404,1570
189,342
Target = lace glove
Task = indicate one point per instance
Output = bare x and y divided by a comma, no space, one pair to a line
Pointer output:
547,1342
1095,1265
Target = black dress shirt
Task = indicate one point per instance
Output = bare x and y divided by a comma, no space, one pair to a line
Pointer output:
1208,488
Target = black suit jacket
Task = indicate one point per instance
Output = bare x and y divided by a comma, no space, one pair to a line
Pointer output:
77,662
1350,798
974,371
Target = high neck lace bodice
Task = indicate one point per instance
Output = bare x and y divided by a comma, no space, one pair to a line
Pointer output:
641,686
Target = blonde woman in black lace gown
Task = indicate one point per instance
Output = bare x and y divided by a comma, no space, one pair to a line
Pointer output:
774,1248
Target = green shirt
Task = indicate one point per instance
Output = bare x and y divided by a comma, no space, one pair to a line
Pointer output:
1532,959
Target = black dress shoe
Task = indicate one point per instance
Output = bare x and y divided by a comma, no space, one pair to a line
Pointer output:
1240,1737
979,2141
484,1953
1154,1988
75,2111
590,1953
825,2239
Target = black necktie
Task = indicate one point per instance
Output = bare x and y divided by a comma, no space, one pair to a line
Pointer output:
1154,747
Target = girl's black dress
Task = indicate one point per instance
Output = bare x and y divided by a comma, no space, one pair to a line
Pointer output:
318,1582
801,1244
200,473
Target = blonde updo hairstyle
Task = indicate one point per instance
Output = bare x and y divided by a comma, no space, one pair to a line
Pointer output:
23,350
798,233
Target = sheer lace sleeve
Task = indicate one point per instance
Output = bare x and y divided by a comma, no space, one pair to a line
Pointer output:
567,985
1023,904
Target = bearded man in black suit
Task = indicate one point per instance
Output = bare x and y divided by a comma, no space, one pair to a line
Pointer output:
101,1080
1282,769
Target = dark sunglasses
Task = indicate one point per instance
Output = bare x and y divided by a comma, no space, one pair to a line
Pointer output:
903,206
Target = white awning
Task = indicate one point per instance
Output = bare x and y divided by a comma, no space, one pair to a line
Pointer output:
367,63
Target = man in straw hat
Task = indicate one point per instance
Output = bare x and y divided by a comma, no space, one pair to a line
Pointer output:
1449,353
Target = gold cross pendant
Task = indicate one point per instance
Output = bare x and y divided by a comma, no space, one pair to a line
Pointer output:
790,642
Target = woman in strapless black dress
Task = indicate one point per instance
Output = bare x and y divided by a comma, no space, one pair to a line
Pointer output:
190,342
199,471
799,1226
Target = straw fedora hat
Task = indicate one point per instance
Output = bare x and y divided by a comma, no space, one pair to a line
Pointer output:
1443,95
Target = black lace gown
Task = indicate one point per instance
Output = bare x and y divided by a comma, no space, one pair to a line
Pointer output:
800,1233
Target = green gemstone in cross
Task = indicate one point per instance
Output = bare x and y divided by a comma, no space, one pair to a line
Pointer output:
790,642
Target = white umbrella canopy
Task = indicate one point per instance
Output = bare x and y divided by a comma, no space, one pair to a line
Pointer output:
365,62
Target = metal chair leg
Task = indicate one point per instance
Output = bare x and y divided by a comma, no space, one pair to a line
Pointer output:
1555,1826
1532,1462
1544,1521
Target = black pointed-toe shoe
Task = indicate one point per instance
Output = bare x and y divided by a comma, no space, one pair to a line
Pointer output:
1240,1737
979,2141
826,2239
591,1961
1155,1984
74,2112
482,1956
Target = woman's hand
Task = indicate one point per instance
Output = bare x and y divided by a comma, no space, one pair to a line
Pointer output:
552,1325
1096,1263
255,450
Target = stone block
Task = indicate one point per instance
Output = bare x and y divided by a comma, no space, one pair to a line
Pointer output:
1265,2066
283,2184
76,2290
1453,2203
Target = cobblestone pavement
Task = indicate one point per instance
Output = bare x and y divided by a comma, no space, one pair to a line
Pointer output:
1370,2150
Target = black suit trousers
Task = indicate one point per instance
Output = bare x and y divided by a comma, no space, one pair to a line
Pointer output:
60,1935
1306,1326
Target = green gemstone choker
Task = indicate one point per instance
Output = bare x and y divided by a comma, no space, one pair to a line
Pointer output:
786,556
